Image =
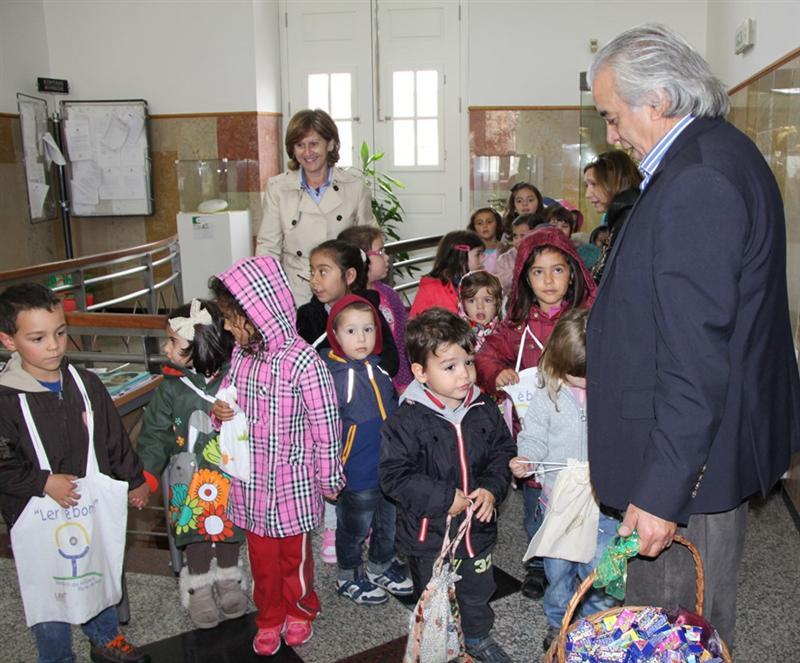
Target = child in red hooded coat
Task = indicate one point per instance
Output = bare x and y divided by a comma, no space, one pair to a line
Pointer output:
549,278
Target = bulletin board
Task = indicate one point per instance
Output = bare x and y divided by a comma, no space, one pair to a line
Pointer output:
39,172
108,157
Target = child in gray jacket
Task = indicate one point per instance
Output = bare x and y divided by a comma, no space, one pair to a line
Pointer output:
555,431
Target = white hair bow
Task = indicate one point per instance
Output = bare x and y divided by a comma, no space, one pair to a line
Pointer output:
184,327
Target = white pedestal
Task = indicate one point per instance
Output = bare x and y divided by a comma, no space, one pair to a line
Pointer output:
210,243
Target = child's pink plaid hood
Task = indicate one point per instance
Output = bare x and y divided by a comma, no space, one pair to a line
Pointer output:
262,289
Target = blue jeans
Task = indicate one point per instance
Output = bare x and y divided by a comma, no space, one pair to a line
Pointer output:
54,639
533,515
562,577
356,512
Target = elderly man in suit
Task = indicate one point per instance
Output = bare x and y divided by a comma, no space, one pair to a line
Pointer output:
694,402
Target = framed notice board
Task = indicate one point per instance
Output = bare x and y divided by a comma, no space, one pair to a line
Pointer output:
39,175
108,157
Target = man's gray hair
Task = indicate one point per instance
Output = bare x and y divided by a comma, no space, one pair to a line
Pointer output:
652,59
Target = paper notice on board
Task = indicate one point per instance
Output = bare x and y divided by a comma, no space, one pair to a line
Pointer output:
28,121
52,151
123,183
107,158
37,193
116,134
79,140
86,179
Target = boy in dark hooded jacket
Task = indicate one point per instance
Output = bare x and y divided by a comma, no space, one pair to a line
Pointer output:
42,396
445,448
366,398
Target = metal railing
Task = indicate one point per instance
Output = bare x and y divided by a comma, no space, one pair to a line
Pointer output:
411,246
72,277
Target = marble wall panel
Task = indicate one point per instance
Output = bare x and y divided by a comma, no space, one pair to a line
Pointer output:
537,145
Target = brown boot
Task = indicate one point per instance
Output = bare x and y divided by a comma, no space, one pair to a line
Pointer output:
230,592
198,596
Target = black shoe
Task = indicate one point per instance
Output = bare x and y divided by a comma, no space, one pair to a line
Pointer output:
549,637
119,650
487,650
535,582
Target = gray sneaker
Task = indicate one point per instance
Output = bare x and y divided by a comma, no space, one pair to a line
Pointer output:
486,650
360,590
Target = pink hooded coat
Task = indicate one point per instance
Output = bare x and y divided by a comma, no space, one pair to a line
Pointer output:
287,393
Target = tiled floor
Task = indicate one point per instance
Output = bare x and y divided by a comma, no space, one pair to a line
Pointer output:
767,623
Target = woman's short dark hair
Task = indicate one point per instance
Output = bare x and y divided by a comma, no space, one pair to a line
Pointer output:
452,263
432,329
212,344
346,256
498,221
614,171
305,121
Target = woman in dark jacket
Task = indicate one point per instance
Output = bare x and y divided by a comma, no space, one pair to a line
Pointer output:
612,186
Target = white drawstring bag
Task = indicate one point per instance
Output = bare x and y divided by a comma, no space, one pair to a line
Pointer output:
522,392
69,560
571,519
434,632
234,434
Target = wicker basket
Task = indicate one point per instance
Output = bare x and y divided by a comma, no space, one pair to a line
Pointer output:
558,652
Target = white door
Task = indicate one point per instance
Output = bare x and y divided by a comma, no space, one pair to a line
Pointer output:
417,110
398,64
328,65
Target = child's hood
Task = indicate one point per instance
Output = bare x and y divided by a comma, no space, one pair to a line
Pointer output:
558,240
17,378
417,393
262,290
337,308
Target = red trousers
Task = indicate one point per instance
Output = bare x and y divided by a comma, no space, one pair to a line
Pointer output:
283,579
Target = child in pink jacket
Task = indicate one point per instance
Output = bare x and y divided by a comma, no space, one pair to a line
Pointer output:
287,394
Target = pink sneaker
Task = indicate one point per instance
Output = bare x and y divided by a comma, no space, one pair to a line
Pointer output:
297,633
267,641
328,553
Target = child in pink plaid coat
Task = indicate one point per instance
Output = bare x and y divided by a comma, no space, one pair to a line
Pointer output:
288,396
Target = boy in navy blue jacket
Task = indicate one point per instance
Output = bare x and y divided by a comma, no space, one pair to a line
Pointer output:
366,397
447,446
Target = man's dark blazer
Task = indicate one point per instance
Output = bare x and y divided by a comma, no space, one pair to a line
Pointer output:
693,395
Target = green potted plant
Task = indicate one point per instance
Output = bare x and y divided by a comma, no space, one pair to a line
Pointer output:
386,206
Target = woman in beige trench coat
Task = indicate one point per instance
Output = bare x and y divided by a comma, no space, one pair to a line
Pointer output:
312,202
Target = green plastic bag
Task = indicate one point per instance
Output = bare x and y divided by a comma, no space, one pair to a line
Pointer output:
612,569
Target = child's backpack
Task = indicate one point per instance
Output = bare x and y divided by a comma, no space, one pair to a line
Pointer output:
434,632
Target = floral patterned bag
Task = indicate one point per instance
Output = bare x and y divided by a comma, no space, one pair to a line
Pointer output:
434,632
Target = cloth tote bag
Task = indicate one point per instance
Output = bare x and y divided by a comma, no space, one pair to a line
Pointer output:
69,560
522,392
234,434
434,632
571,519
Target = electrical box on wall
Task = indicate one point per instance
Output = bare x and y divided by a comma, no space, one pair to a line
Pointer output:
743,39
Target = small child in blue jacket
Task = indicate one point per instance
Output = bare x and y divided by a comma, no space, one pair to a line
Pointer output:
366,398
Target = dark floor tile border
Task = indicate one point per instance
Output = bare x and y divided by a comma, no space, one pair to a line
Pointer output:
230,642
388,652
